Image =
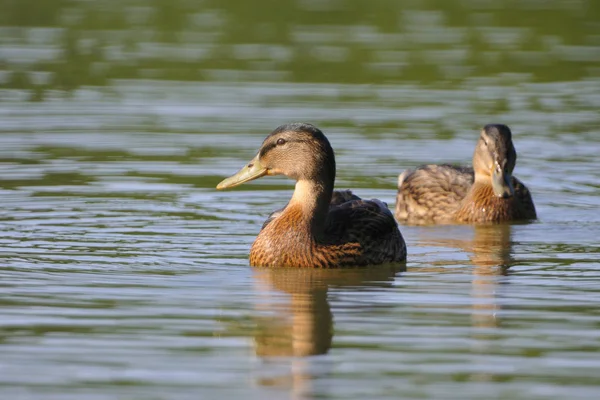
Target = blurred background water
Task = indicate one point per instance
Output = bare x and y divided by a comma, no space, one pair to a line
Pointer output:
124,274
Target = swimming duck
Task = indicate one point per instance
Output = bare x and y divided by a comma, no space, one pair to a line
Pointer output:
318,228
487,192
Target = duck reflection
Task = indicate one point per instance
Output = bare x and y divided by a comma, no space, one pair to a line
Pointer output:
491,249
490,252
491,256
300,323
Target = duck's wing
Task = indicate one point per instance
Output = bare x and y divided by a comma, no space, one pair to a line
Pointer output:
526,206
340,197
271,217
369,223
431,193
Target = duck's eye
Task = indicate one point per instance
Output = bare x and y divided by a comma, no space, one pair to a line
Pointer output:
280,142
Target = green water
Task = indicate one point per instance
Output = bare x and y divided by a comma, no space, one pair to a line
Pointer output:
124,273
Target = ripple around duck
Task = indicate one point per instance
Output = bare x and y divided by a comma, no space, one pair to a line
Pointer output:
124,273
114,284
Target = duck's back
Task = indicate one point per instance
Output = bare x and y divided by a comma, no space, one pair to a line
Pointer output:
369,223
432,193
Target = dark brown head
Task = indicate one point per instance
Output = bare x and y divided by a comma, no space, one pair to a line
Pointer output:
300,151
494,159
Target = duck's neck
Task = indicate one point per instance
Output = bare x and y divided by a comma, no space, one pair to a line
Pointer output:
481,190
312,198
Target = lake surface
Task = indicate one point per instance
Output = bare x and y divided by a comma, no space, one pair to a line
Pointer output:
124,274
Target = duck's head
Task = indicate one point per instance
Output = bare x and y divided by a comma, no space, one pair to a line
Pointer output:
299,151
494,159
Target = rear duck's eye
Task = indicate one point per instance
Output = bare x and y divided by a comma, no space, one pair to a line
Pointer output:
280,142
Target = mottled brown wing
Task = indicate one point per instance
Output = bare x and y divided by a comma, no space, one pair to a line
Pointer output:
369,223
526,206
431,193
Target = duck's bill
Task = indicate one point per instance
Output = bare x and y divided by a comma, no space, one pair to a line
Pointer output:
253,170
502,184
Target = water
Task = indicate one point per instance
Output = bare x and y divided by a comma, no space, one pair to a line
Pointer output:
124,273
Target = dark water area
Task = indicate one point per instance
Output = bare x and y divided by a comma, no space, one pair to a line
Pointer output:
124,274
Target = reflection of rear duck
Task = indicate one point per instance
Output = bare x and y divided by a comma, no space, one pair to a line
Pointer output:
487,192
317,228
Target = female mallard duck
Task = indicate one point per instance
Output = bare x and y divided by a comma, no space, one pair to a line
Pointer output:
317,228
485,193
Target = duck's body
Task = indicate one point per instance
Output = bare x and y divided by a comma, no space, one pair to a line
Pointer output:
438,194
319,228
356,233
441,194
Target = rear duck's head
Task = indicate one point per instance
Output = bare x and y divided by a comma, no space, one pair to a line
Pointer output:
494,159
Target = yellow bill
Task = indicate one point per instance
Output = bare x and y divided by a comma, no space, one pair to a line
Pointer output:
253,170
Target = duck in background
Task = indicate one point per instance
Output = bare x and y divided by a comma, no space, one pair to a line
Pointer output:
485,193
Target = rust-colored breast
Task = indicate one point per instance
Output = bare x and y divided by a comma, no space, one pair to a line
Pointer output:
481,205
285,243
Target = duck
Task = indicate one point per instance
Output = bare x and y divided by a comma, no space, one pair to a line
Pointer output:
319,227
487,192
